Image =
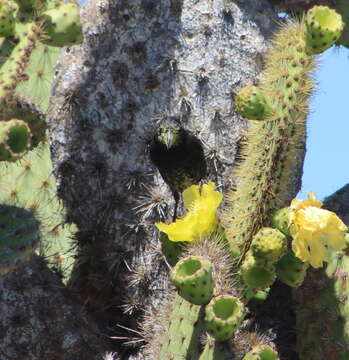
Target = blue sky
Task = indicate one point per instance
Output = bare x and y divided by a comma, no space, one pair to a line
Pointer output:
326,167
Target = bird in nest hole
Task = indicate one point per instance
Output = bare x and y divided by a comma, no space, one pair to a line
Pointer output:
178,155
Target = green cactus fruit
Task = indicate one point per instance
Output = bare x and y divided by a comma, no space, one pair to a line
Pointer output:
193,278
19,236
251,104
269,244
324,27
223,315
62,25
14,139
257,274
22,108
262,352
280,220
291,270
172,250
7,18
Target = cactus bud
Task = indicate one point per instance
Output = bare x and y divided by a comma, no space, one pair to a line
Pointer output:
269,244
291,270
251,104
224,315
257,274
324,27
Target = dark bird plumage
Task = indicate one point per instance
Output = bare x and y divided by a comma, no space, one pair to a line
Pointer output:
178,155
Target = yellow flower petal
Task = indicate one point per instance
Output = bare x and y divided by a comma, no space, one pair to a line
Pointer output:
190,195
201,218
316,232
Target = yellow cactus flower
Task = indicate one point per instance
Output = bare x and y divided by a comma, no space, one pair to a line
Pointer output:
315,231
201,218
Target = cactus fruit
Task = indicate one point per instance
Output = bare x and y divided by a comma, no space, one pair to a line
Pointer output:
19,236
257,274
324,27
269,244
224,315
261,352
193,278
281,220
291,270
251,104
62,25
14,139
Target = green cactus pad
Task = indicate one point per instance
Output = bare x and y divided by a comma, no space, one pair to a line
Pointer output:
7,18
62,25
19,236
172,250
251,104
291,270
28,4
193,278
262,352
280,220
257,274
224,315
269,244
14,139
324,27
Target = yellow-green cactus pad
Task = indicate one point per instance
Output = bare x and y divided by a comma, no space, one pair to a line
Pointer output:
14,139
223,315
193,278
62,25
251,104
291,270
324,27
257,274
262,352
269,244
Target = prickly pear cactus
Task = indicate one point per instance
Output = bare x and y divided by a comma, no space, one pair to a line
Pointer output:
26,74
273,147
